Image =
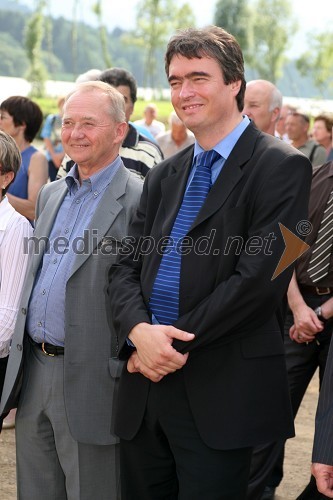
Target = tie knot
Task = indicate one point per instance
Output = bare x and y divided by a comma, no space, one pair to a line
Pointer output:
207,158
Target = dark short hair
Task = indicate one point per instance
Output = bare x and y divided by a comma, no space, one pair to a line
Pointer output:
120,76
328,120
10,156
213,42
24,111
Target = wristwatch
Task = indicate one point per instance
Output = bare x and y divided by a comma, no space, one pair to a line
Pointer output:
318,312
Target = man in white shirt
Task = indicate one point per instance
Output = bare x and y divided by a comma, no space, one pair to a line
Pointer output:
149,121
175,139
262,104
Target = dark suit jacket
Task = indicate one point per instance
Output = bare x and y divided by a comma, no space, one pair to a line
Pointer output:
235,375
323,440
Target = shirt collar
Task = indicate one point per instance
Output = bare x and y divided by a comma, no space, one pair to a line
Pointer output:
226,145
98,182
6,212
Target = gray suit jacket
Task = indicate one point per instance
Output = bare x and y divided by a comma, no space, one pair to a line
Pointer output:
90,372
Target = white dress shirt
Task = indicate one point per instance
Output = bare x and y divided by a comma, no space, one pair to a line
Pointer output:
14,228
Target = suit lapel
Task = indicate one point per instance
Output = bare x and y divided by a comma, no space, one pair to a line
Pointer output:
104,216
230,175
173,186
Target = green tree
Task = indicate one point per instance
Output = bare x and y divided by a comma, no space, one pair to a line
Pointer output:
156,20
98,11
34,33
13,24
184,17
236,17
319,61
12,56
50,60
52,64
274,26
74,37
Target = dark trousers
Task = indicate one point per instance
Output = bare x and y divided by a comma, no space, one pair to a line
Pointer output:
167,459
302,361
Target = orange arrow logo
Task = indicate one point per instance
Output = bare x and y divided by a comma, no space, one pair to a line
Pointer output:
295,247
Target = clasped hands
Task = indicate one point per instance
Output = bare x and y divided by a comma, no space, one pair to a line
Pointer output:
324,478
154,356
306,325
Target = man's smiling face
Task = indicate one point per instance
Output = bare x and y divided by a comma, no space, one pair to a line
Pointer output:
199,95
90,135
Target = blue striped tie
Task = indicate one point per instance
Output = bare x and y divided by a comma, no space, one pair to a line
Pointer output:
164,301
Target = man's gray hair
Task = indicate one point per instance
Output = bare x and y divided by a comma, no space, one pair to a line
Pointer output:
276,99
89,76
174,118
117,102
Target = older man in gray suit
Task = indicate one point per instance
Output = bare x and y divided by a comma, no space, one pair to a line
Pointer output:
65,448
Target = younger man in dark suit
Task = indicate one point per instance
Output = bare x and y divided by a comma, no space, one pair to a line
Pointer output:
195,308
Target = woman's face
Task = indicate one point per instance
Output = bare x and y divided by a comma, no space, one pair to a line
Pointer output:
7,124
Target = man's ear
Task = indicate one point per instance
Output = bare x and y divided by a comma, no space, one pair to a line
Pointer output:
235,87
275,114
121,131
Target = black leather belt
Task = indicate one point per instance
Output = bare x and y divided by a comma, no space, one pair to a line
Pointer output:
49,349
316,290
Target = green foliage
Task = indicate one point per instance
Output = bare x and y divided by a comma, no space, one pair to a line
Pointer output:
263,29
48,105
236,17
319,61
156,21
273,28
70,47
52,63
185,17
34,33
12,55
97,9
75,48
12,24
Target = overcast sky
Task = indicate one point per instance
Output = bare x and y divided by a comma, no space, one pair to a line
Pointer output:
311,15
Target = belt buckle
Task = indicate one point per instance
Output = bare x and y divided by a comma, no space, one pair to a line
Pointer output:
326,292
45,352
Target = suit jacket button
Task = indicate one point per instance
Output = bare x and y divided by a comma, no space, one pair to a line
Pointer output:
19,347
23,310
